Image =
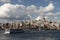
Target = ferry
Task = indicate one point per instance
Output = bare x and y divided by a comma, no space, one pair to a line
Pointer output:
13,31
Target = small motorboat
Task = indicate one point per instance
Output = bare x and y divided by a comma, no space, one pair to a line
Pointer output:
7,31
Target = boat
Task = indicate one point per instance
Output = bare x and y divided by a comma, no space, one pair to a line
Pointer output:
13,31
7,31
16,31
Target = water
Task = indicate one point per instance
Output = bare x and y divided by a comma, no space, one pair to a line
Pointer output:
31,35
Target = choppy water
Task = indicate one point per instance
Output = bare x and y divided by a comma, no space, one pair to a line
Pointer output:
33,35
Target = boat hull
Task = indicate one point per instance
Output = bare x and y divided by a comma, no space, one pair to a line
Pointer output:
16,31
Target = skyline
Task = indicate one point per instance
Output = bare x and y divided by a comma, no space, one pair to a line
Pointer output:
30,9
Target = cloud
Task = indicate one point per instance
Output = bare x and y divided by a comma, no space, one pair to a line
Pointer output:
43,10
48,8
20,1
38,18
55,17
12,11
50,14
22,11
5,1
31,9
57,14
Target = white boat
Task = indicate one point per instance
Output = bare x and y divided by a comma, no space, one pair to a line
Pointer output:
7,31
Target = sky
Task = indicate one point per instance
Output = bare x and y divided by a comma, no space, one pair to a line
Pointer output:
30,9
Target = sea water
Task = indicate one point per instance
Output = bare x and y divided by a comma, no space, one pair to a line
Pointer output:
31,35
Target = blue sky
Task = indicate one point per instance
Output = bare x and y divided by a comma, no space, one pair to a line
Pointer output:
37,3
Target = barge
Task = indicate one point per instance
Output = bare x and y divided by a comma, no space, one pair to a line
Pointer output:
13,31
16,31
